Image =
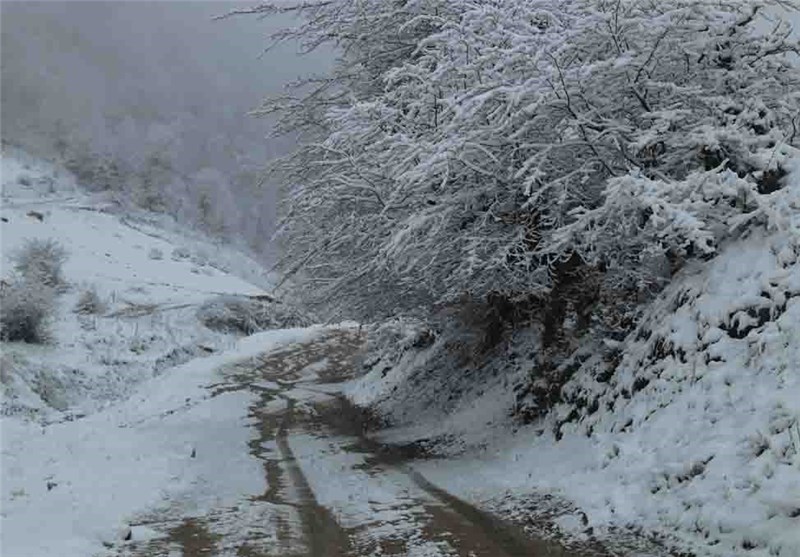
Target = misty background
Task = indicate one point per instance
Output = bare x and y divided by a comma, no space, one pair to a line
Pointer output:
147,102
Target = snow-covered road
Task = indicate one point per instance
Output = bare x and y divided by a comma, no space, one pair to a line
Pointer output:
328,489
137,430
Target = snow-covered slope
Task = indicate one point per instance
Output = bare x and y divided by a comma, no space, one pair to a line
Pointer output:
69,488
105,419
696,435
149,277
688,431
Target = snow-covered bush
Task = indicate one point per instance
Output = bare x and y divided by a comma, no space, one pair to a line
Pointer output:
200,258
180,253
96,172
25,310
248,315
392,338
472,147
90,302
41,261
155,254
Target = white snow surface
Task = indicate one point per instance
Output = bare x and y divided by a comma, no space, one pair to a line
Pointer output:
131,457
113,416
150,279
695,437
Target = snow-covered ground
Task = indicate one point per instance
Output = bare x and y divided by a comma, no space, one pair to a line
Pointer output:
149,278
111,416
69,489
693,438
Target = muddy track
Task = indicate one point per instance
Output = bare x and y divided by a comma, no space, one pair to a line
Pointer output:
471,531
297,407
324,536
467,530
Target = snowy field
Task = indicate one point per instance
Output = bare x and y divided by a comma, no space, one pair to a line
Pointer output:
149,279
108,417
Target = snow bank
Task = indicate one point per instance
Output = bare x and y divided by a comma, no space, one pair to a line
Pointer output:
696,436
423,386
690,433
68,487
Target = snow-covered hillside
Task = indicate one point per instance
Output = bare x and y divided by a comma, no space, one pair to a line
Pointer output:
683,437
687,432
149,275
104,418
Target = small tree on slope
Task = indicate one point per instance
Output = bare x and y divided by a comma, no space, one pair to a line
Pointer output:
469,147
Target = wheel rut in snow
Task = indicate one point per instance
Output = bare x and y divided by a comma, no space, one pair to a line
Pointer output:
323,535
469,531
297,515
458,527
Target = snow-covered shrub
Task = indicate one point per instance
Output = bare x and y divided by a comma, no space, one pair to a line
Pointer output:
155,254
140,345
90,303
248,315
156,170
392,338
98,172
180,253
25,310
200,258
180,355
480,323
41,261
6,370
468,147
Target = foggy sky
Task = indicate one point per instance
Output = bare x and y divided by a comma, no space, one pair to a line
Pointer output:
130,77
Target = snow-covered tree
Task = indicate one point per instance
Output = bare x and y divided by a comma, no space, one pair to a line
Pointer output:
484,147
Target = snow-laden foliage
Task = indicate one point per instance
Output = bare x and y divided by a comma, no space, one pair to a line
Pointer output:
90,303
25,311
40,262
468,147
248,315
27,301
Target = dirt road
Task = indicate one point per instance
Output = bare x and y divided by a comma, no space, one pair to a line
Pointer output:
331,490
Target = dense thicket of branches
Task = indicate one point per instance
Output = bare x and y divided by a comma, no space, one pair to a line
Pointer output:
488,147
